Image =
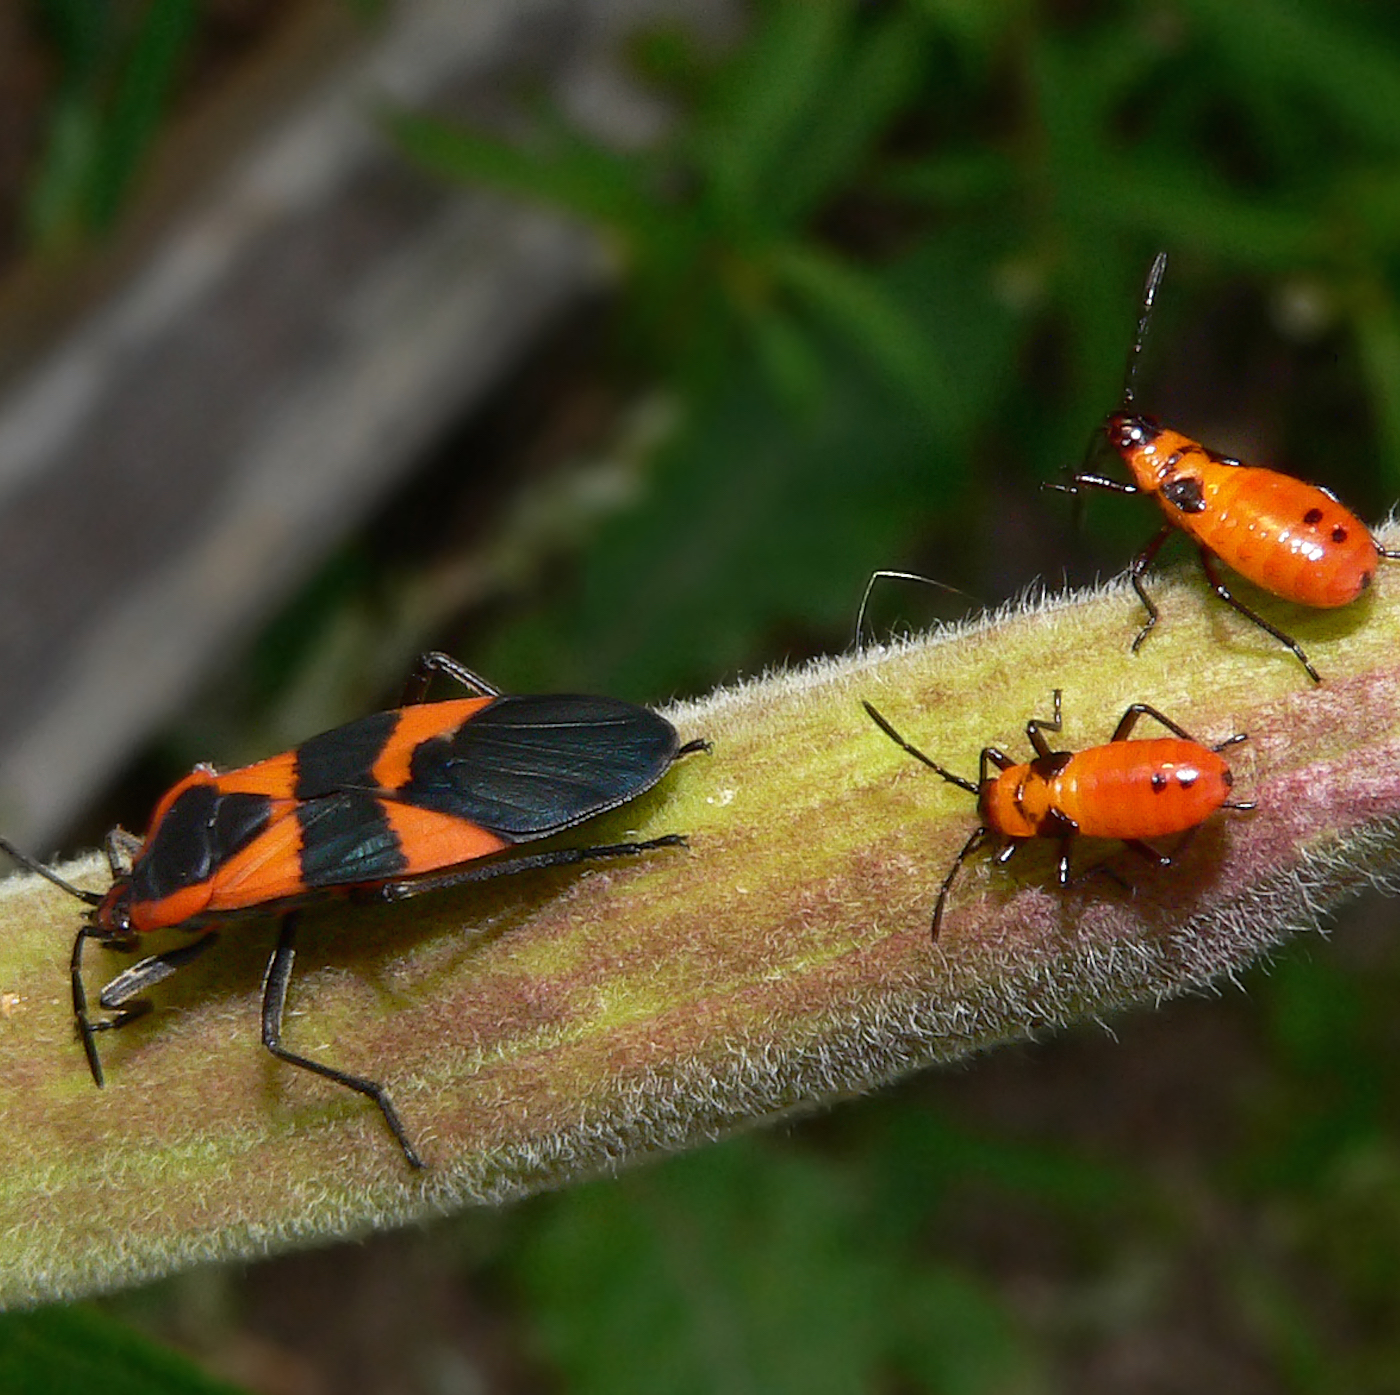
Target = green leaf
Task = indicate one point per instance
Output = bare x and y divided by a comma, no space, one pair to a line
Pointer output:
789,356
756,1269
854,305
1180,204
957,178
562,172
134,113
877,81
762,100
1377,328
1302,54
76,1351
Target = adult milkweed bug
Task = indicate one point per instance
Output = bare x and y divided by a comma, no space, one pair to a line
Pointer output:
1129,790
424,796
1288,537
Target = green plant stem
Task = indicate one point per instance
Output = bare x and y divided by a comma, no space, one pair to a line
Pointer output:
535,1031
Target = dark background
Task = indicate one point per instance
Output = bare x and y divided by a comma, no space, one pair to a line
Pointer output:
876,283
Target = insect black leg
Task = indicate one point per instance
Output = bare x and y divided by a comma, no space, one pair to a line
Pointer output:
121,992
279,972
1150,854
1130,717
1391,555
119,996
1038,725
1085,481
979,837
434,663
1004,855
1066,843
80,1008
914,751
1221,590
692,747
992,757
1140,564
480,872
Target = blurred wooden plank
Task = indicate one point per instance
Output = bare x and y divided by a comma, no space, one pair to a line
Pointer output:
284,353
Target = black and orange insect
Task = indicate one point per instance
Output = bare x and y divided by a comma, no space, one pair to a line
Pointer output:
425,796
1128,790
1288,537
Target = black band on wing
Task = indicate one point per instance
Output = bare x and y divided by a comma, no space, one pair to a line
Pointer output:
344,757
199,833
345,839
526,767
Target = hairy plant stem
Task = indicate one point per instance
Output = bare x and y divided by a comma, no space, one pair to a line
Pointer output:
537,1030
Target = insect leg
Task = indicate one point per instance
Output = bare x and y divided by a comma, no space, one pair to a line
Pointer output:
1038,725
1140,564
121,992
1208,562
1129,720
979,837
1087,481
119,996
480,872
1066,843
434,663
279,972
1159,859
990,757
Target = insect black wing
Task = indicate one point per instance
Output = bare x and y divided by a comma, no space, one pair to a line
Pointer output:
528,766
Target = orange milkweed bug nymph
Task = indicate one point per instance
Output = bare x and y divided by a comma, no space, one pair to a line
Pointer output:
1289,537
424,796
1128,790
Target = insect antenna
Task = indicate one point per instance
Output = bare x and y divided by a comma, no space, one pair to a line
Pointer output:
1149,294
914,751
89,898
858,637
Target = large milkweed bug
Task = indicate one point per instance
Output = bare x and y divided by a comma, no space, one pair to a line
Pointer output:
1129,790
1288,537
424,796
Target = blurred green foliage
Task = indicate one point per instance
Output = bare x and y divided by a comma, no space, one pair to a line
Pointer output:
115,64
75,1351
